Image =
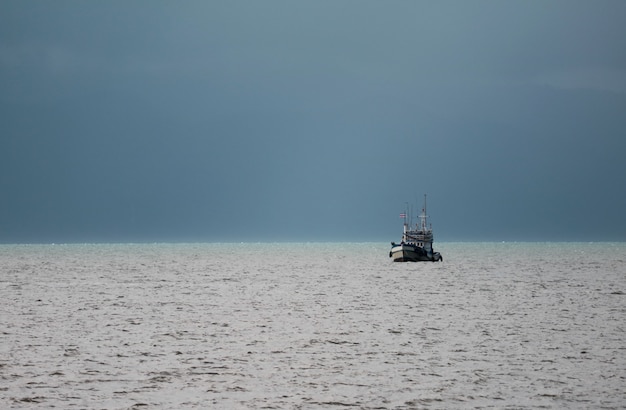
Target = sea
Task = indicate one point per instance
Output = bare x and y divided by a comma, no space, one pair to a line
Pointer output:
312,326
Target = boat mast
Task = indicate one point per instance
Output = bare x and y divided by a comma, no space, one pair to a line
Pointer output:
423,216
406,215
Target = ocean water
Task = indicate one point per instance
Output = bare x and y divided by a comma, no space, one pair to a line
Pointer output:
312,326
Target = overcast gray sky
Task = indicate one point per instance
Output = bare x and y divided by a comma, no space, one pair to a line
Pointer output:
311,120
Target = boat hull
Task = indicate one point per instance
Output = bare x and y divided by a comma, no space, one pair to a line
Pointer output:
412,253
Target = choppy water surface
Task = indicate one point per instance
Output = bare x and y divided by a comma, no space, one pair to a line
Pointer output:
312,326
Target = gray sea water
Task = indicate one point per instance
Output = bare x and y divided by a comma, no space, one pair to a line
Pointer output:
311,326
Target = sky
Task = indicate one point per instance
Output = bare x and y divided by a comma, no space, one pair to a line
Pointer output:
241,121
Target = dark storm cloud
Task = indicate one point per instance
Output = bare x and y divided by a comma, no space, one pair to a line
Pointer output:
311,120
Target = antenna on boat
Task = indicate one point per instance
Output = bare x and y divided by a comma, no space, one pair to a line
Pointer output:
407,215
423,216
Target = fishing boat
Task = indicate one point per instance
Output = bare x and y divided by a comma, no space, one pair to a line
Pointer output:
417,241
